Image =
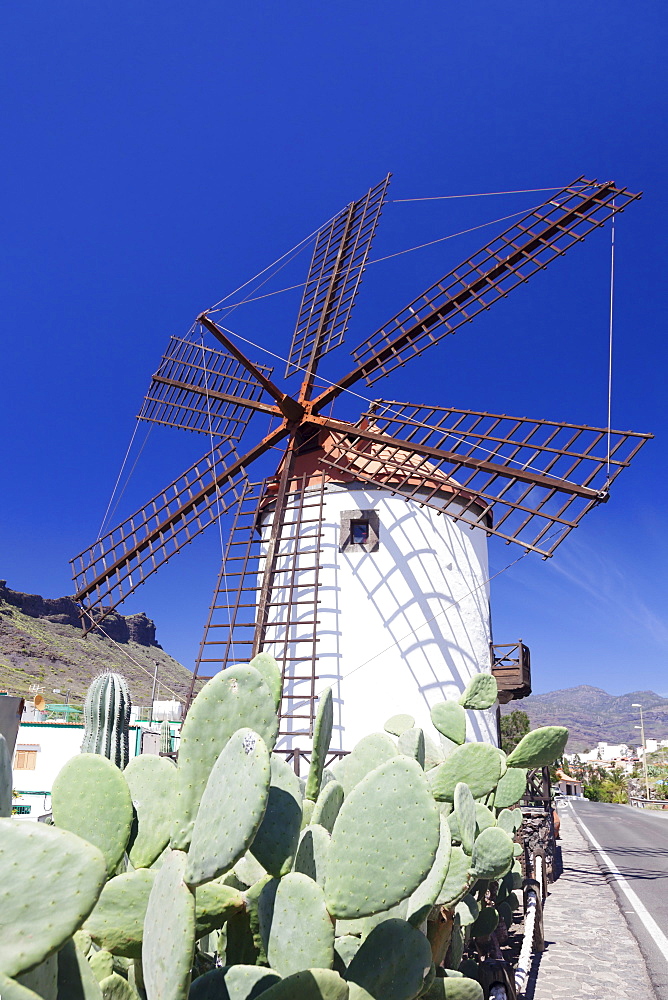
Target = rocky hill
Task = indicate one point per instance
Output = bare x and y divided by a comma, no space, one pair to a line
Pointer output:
41,643
592,715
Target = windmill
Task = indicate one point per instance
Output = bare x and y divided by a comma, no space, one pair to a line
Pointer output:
369,532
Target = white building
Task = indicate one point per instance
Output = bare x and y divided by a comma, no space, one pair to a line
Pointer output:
607,755
403,602
652,746
43,748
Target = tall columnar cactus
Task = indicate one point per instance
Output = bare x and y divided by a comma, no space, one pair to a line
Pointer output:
403,867
165,737
107,719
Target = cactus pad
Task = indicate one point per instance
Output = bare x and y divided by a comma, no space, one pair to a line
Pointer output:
450,719
232,807
101,964
276,840
215,903
11,990
426,894
392,961
492,854
484,817
75,978
540,747
486,922
369,753
511,787
322,734
411,743
43,979
91,798
481,692
384,841
507,820
169,933
310,984
454,988
234,982
457,880
313,853
152,784
346,947
269,670
115,987
327,805
287,907
5,779
234,699
117,922
433,754
476,764
398,724
466,815
467,910
50,880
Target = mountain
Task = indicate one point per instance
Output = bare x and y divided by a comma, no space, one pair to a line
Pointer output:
592,715
41,644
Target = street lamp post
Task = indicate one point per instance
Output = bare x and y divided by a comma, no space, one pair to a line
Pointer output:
641,727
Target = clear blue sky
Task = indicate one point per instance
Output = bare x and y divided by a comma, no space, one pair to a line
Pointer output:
156,155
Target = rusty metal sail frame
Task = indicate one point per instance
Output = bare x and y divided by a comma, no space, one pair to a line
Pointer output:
527,481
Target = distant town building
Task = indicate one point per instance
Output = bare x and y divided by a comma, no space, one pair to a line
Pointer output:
607,755
44,747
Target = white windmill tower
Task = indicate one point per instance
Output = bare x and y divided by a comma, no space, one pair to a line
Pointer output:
362,563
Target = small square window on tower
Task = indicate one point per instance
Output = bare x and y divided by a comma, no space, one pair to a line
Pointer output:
360,531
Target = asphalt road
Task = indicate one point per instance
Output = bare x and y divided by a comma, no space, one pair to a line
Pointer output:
635,842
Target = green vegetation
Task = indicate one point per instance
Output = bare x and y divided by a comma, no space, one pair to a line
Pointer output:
210,879
513,727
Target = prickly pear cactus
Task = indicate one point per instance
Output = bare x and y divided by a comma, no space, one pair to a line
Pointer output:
540,747
384,841
50,880
107,718
152,784
222,873
235,698
322,734
90,797
232,807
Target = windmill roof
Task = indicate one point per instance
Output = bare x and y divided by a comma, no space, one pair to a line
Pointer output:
385,464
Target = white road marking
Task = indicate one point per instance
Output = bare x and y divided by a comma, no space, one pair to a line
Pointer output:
639,908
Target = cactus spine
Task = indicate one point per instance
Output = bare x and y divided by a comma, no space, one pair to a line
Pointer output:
107,719
165,737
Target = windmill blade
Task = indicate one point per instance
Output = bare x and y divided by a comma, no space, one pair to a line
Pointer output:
339,259
507,261
116,564
290,627
200,389
527,481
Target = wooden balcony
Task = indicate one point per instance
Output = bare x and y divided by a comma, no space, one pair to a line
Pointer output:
511,665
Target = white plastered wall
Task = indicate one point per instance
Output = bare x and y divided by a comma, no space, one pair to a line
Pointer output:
403,627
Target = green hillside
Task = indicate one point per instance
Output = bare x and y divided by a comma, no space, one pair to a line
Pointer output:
35,649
